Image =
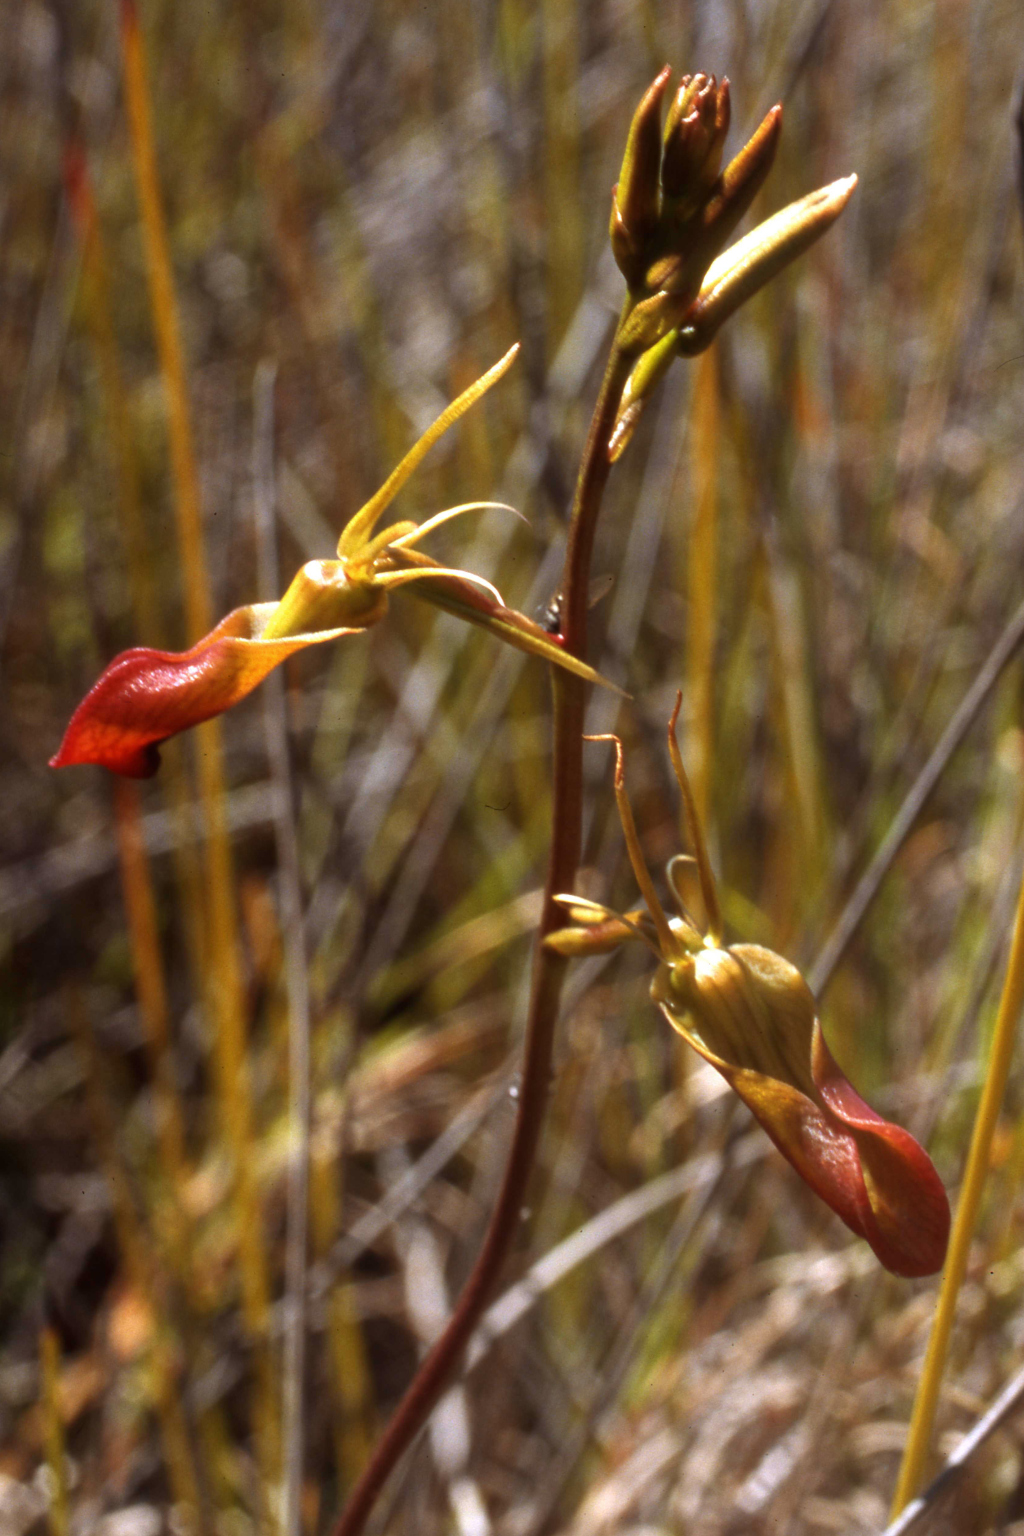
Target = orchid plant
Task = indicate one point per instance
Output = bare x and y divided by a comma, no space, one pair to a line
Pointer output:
744,1009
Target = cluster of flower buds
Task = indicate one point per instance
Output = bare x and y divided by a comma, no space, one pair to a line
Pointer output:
673,210
145,696
750,1015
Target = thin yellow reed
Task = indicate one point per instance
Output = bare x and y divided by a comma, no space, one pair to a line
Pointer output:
309,301
347,291
53,1427
701,580
144,1277
796,724
141,564
978,1159
232,1082
140,907
349,1368
165,320
224,983
142,582
564,243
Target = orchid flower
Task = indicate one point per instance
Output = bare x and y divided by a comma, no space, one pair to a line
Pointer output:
145,696
750,1015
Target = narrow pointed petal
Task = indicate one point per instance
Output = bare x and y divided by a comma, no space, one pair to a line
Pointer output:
357,532
144,696
461,597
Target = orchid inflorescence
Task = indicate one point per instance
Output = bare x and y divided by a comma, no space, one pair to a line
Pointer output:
746,1010
750,1014
672,211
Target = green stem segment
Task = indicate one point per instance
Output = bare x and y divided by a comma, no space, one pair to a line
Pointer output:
548,967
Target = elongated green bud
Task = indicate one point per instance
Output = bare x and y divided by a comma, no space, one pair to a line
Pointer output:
753,261
637,197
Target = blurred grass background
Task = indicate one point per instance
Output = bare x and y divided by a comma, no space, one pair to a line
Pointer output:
817,532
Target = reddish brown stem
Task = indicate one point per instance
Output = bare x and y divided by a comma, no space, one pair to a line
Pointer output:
548,968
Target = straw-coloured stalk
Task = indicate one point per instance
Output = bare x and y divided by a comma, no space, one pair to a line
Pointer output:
165,321
564,234
224,986
701,579
350,1380
139,556
147,962
53,1430
142,581
144,1277
296,991
979,1156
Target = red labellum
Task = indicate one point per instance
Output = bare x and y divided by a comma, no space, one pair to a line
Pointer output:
144,696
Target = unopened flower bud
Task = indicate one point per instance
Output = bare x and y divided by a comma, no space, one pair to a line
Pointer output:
695,130
753,261
741,181
595,930
650,368
636,200
581,943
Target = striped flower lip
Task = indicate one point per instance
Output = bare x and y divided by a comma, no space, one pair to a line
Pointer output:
750,1014
145,696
